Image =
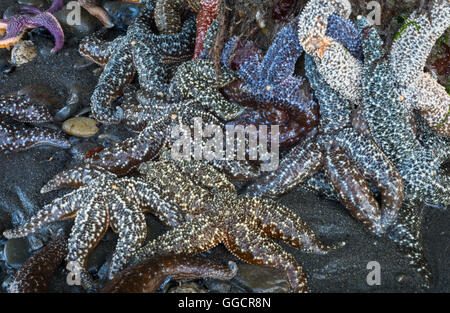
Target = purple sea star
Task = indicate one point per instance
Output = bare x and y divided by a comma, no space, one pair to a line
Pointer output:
15,26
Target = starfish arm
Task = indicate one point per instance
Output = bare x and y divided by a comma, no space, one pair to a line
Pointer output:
14,138
193,237
168,16
13,33
433,103
197,79
302,161
97,11
152,198
76,177
56,6
118,72
50,22
59,208
318,183
147,276
335,111
407,234
251,70
375,167
253,247
341,70
178,45
279,64
417,165
237,170
345,31
409,52
35,274
312,23
429,138
96,49
353,191
207,14
205,175
152,73
281,223
217,104
24,109
123,157
129,221
29,9
91,224
174,184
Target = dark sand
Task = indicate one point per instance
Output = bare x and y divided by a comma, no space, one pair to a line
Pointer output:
23,174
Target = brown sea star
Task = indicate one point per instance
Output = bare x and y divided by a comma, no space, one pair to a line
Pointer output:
215,214
147,276
28,109
102,202
35,274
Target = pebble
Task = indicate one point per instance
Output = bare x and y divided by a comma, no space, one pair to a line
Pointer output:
23,52
261,279
122,13
80,127
17,251
73,104
77,29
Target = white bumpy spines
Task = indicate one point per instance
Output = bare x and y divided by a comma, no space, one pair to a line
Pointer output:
408,57
433,102
342,71
338,67
410,51
314,17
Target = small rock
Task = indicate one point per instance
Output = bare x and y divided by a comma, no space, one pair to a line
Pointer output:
34,3
189,287
77,29
80,127
261,279
23,52
72,105
122,13
17,251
